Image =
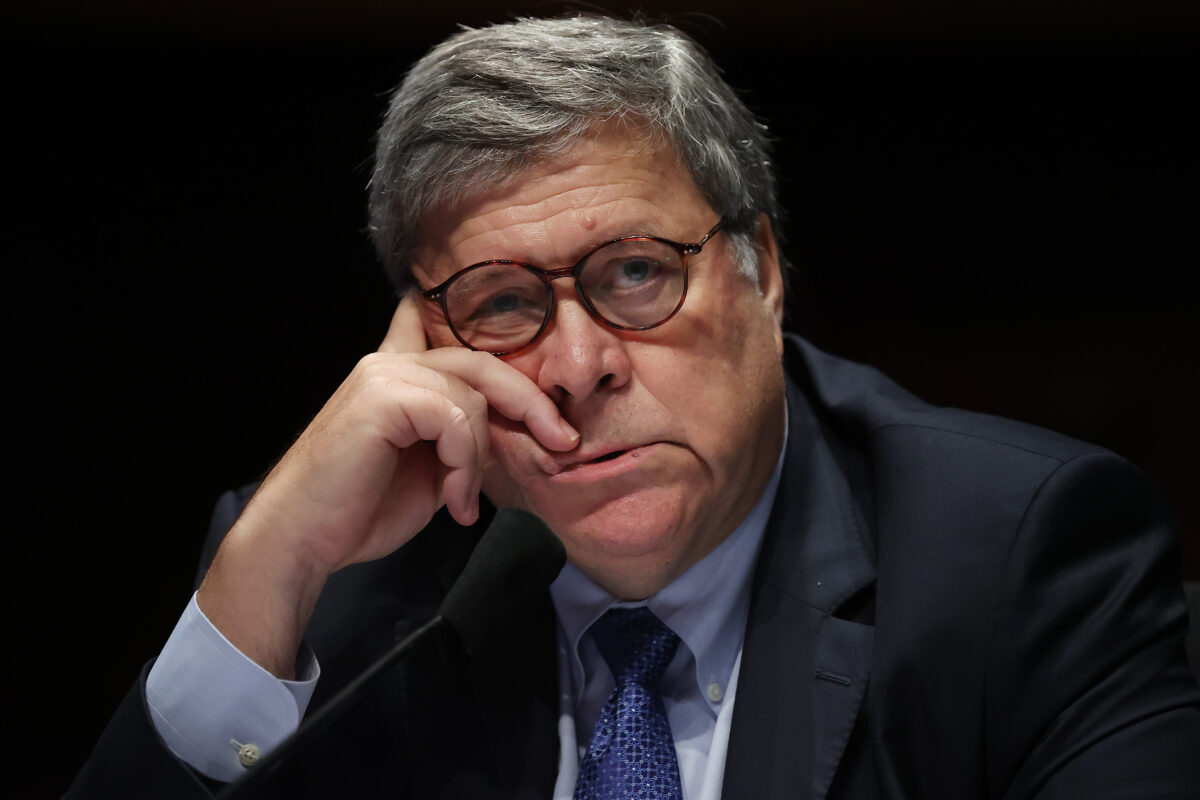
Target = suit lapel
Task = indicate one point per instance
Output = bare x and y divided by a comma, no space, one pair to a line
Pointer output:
804,670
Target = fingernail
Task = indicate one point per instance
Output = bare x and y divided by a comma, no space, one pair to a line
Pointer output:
570,432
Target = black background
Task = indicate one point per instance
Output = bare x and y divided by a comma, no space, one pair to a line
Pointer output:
995,203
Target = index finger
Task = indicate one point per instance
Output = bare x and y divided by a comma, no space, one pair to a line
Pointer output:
508,391
405,333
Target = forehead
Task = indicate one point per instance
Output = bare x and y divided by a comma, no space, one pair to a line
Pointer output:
607,186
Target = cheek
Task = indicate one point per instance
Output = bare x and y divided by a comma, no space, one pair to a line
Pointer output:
437,331
501,489
508,461
721,387
509,439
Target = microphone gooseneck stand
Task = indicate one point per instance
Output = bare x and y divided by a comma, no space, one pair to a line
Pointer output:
514,562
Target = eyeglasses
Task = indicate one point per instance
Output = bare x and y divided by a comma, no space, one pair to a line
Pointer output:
631,284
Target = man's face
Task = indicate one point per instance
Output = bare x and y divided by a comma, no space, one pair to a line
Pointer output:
681,424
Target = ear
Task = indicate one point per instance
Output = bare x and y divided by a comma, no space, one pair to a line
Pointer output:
770,275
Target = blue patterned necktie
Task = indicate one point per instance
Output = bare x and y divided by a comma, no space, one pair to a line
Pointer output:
632,754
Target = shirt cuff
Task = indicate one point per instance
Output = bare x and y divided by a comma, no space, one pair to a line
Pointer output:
204,694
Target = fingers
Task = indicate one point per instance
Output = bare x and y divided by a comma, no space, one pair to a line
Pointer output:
447,415
508,391
443,396
460,490
405,333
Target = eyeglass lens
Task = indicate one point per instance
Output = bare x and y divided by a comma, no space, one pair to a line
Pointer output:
630,284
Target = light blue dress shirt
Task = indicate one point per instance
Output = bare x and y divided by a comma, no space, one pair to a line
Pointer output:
206,698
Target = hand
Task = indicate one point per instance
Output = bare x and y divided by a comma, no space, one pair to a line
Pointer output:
405,433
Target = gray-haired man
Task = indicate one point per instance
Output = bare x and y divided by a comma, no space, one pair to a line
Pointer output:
863,596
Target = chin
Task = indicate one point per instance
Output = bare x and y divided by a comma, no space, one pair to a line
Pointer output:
645,528
619,528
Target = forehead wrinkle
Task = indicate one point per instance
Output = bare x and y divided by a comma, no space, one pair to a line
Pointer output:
532,241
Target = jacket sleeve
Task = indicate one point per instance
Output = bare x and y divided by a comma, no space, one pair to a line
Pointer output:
130,759
1089,693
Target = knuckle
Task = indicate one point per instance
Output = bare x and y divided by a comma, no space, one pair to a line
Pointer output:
383,372
372,368
477,403
378,361
368,363
458,417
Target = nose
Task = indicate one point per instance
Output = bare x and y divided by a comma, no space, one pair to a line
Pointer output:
578,355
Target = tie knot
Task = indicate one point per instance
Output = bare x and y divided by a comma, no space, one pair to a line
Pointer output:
635,643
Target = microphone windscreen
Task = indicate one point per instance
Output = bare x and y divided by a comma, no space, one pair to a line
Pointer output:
513,564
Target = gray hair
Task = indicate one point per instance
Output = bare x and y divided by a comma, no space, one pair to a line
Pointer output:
487,103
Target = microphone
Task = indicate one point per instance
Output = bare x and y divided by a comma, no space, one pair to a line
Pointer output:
515,560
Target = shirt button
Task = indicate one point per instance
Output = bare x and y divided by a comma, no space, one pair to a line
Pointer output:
248,754
714,692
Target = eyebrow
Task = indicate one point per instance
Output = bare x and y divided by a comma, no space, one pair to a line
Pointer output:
478,279
639,231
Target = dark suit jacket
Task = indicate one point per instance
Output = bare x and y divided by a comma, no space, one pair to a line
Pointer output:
947,605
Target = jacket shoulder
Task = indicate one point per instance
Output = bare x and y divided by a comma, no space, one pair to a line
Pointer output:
1028,615
860,402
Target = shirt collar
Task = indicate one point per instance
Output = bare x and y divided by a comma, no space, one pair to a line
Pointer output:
705,606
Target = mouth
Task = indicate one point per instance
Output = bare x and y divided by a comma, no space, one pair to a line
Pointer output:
605,463
607,457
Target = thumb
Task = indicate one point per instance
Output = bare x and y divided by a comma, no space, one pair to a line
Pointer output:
405,334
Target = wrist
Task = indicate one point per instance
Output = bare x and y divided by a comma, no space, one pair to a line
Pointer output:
259,593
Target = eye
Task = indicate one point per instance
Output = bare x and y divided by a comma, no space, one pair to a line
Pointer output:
634,282
495,297
630,273
633,272
503,304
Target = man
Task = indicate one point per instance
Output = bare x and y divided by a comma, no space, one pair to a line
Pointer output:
845,592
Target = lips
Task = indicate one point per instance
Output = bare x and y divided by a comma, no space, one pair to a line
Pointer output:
598,455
